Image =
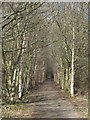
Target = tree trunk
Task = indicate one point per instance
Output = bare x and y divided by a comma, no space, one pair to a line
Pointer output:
43,76
20,82
72,67
66,82
13,88
20,73
62,78
56,77
28,79
20,85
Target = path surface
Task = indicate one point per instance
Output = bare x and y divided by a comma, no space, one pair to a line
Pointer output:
46,101
51,102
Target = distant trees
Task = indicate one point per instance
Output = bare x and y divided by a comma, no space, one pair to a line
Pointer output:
71,19
32,34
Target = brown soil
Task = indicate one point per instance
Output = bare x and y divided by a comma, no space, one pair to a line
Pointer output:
47,101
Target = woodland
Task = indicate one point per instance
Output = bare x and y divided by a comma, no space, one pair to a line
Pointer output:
42,41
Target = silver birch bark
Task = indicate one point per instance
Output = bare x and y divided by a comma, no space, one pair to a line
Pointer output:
13,87
72,67
20,74
62,78
20,82
66,83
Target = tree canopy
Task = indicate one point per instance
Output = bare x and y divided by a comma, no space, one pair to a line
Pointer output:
40,39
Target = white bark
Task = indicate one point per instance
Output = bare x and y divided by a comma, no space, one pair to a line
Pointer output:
35,72
43,76
13,86
62,75
20,74
72,67
62,80
20,85
66,83
14,75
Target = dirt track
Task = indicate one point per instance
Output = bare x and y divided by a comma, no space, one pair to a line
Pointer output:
53,103
47,101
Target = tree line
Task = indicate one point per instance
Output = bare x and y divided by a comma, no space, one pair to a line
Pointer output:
35,33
